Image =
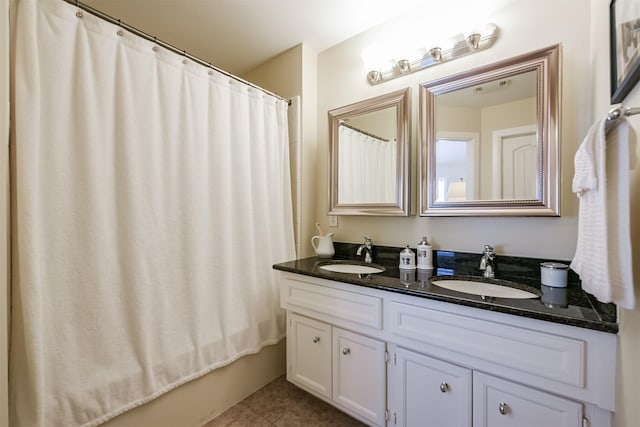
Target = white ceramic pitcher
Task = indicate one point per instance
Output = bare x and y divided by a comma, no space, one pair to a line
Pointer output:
323,245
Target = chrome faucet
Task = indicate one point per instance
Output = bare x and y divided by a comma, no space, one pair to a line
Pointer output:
487,262
367,246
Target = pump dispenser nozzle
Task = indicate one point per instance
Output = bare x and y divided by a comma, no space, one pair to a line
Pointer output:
425,255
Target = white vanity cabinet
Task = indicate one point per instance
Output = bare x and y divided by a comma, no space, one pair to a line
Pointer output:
343,367
446,364
500,403
424,391
359,378
309,354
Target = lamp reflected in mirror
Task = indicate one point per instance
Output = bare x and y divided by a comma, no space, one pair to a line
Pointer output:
458,161
457,191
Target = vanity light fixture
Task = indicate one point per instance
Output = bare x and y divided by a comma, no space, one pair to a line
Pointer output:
436,54
473,40
383,66
403,66
373,76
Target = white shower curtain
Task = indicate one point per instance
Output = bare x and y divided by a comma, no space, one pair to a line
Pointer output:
151,199
366,167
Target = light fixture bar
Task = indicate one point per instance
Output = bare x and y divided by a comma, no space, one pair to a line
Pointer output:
463,44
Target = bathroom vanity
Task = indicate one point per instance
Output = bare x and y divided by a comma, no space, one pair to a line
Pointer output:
399,351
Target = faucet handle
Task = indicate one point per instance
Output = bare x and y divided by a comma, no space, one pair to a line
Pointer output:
488,249
367,241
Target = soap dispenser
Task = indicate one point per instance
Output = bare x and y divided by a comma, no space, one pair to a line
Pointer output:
425,255
407,259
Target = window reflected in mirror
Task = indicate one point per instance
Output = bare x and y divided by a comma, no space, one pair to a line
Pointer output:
457,156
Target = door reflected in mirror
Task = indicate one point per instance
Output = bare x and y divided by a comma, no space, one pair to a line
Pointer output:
489,139
369,156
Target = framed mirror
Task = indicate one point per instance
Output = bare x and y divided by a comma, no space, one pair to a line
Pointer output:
369,156
490,139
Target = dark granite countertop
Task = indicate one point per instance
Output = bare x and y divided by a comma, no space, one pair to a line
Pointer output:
569,306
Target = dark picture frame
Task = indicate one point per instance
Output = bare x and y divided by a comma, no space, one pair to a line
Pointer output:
624,48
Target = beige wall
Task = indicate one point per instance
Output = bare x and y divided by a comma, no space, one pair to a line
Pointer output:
310,123
4,207
458,119
382,123
341,81
292,73
628,369
582,28
483,121
196,402
524,26
281,75
503,116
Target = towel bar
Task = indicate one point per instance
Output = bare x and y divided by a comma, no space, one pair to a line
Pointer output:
617,112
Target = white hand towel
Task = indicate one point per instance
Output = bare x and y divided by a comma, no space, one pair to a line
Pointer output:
603,250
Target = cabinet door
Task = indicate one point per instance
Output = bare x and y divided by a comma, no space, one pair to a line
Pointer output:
425,392
500,403
359,375
309,354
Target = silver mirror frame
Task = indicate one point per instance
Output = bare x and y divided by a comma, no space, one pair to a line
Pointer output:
401,101
547,202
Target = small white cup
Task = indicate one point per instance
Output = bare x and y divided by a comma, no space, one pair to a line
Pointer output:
554,274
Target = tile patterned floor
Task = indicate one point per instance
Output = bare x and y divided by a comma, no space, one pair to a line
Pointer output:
281,404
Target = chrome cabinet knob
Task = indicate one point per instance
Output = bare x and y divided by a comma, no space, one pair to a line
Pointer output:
444,387
316,339
504,408
346,351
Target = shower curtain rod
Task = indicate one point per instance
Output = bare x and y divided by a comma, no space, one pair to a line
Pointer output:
166,45
342,123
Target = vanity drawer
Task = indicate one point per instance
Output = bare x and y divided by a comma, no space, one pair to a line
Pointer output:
500,403
557,358
315,299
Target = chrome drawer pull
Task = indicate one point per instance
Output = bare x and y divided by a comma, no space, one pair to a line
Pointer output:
444,387
504,408
316,339
346,351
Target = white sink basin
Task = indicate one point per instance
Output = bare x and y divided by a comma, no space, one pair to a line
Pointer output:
352,268
484,289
